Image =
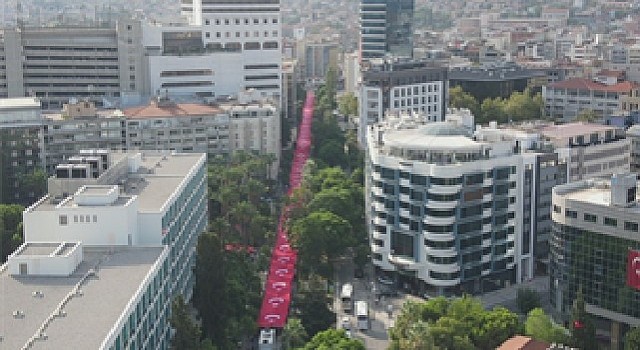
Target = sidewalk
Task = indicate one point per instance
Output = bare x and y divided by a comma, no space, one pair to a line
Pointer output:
507,296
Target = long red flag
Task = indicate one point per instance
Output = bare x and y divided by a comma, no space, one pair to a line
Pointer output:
633,269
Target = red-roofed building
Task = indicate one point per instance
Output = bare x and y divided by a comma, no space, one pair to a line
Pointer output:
519,342
565,100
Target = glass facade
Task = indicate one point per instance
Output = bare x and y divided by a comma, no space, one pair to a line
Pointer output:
386,27
595,262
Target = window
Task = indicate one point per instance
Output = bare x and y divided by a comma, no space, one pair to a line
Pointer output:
557,209
631,226
63,220
610,221
590,217
571,214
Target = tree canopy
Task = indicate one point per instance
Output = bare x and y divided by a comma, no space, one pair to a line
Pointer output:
519,106
632,339
187,333
333,339
461,323
539,326
11,235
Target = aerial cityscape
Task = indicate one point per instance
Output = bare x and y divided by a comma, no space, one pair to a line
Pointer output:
320,174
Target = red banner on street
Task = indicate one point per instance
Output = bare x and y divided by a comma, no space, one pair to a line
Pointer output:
633,269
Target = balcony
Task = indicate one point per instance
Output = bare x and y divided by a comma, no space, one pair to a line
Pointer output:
432,220
439,237
443,189
443,283
441,205
443,268
441,252
404,262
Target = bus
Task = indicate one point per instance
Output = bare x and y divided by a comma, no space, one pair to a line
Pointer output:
346,297
362,315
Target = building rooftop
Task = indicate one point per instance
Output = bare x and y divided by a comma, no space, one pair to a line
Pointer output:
595,191
107,279
432,136
587,84
563,131
157,178
19,102
159,110
519,342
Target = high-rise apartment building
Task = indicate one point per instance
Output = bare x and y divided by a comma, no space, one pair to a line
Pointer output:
105,253
401,86
386,27
445,208
594,241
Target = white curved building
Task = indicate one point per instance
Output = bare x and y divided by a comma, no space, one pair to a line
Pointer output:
445,207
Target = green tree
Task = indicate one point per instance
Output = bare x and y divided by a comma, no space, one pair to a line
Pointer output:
583,334
10,229
495,327
320,237
527,299
293,335
462,323
539,326
348,104
460,99
524,106
332,153
632,339
226,293
417,337
312,304
187,335
209,293
333,339
492,109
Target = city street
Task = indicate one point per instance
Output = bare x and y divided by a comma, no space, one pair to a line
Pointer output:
376,337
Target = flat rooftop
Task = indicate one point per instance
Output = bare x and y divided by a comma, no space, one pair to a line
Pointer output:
119,271
595,192
158,178
155,181
563,131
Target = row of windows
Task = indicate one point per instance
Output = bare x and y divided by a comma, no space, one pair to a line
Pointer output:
247,34
415,90
607,221
238,21
63,220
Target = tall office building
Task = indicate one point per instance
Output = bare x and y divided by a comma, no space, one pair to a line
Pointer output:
105,253
595,246
386,27
401,86
59,63
252,27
